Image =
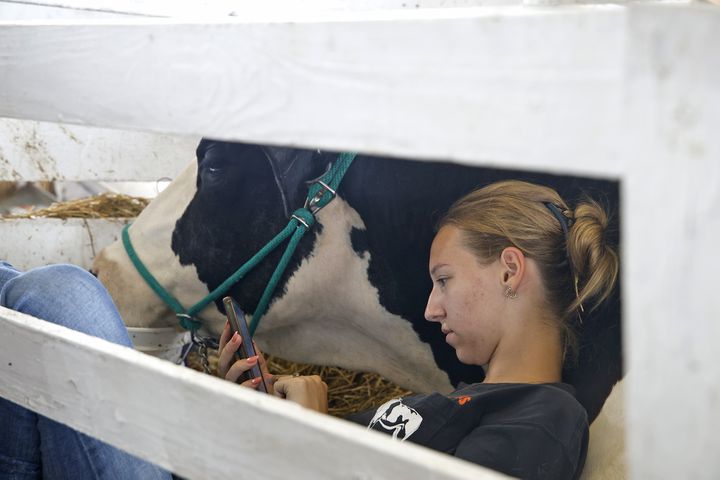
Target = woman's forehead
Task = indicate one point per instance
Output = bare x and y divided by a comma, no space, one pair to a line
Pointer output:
449,247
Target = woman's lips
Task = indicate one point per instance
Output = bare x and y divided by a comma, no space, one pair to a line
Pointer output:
445,329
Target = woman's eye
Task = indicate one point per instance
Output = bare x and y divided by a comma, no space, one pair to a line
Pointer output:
441,281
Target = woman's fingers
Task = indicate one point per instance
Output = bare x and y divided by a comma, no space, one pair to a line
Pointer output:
230,368
252,383
224,336
227,354
263,363
270,380
240,367
309,391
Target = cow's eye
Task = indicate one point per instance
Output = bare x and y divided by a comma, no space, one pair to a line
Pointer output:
212,170
213,165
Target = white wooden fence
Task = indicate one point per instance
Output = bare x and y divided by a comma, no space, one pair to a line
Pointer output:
626,91
36,151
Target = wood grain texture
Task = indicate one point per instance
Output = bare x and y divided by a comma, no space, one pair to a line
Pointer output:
193,424
40,151
493,85
671,230
10,10
209,8
28,243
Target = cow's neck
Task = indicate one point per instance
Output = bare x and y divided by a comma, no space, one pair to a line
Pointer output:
330,313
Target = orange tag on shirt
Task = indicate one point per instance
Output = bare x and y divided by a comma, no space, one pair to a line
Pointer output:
463,400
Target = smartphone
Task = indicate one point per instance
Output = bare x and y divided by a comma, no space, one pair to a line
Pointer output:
236,317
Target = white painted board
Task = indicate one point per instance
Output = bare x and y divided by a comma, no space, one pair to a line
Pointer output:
32,151
191,423
28,243
671,233
43,10
514,86
217,8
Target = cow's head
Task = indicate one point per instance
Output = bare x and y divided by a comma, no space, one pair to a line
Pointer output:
220,209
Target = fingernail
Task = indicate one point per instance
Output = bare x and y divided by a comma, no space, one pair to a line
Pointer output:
235,338
256,380
252,360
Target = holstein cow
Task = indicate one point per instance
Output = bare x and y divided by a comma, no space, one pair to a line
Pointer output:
354,293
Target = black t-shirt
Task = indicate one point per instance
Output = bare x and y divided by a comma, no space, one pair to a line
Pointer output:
523,430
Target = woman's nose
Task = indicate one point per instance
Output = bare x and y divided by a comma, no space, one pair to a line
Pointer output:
433,310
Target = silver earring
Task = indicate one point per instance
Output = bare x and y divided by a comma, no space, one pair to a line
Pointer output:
509,293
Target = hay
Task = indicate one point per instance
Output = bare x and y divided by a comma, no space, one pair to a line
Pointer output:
348,391
105,205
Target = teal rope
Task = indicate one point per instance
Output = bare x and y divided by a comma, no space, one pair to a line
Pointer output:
333,178
318,196
172,302
262,306
244,269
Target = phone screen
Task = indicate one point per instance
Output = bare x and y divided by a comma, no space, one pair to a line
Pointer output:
238,323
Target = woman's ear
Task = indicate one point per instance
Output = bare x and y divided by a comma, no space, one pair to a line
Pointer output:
512,261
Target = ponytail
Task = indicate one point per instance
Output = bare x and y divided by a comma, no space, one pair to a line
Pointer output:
595,262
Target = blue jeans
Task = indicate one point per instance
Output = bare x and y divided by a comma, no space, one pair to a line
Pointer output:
33,446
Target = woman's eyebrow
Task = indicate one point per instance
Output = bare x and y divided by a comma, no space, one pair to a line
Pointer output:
436,267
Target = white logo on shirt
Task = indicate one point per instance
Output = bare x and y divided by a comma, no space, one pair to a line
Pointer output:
397,418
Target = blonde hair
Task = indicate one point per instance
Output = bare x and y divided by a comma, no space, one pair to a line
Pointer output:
576,272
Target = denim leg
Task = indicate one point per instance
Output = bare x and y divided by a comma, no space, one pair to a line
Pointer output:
7,272
19,443
68,296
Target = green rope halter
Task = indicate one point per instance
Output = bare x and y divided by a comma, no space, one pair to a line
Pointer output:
320,193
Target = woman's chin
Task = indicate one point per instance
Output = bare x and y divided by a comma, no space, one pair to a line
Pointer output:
463,356
469,358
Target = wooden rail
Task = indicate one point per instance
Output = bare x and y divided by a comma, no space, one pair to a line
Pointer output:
193,424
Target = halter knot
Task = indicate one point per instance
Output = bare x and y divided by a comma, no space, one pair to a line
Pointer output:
304,216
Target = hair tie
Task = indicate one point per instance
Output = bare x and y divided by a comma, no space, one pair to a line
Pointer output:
561,218
565,228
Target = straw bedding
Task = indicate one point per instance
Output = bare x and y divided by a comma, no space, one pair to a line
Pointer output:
106,205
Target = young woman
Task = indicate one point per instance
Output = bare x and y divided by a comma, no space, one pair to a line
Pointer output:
513,268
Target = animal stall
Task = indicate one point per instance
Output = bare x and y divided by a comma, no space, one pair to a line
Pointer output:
639,110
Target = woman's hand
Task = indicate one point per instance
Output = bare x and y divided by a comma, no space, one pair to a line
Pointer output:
309,391
231,369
